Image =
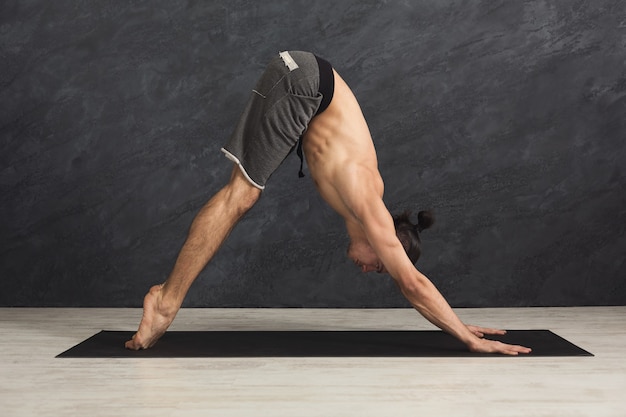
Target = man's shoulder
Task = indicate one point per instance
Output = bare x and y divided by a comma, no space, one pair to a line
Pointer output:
361,177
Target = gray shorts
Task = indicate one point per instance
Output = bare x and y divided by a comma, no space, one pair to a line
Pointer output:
278,112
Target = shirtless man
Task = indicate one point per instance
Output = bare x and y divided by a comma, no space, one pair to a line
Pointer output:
302,95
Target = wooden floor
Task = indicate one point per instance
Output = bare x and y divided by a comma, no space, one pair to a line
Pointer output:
34,383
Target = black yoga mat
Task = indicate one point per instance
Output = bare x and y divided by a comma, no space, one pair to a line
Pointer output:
375,343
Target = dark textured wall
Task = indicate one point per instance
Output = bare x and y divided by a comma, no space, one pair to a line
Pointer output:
507,118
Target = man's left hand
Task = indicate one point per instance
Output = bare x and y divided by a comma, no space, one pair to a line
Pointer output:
482,331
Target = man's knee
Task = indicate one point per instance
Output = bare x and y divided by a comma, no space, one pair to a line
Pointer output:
247,198
242,194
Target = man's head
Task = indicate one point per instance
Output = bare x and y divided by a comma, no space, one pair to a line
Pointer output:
364,257
362,254
409,233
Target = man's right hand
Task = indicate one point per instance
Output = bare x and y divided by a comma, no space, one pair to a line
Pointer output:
492,346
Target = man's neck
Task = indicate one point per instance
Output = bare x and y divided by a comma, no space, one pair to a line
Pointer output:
356,233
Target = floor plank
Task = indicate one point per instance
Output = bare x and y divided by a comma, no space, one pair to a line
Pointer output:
33,382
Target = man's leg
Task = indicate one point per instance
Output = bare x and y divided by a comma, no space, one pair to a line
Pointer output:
208,231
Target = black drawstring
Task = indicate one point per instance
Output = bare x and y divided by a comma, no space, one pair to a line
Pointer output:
301,156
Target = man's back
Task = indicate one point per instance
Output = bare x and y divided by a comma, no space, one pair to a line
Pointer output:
341,155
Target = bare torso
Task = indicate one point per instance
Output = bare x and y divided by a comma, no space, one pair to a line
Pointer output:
340,154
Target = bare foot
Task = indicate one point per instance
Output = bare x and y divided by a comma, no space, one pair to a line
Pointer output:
154,323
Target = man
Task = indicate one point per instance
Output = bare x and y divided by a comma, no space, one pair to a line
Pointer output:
301,95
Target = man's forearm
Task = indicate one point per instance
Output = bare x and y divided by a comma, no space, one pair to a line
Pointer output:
425,298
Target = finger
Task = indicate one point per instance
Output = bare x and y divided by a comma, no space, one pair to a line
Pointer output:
486,330
475,331
492,331
521,348
507,350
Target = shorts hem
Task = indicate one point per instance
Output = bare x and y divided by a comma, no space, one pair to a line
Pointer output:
243,170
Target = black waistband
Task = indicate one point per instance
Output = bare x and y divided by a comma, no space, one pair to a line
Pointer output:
327,89
327,83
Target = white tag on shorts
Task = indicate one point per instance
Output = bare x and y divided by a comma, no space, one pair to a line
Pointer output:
288,60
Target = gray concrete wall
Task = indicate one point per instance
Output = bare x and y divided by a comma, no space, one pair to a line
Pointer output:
506,118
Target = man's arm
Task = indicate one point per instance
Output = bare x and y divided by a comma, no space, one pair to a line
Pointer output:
377,224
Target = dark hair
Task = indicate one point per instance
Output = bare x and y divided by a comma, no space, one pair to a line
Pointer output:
409,233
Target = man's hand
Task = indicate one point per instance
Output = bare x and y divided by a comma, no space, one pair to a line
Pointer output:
482,331
492,346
